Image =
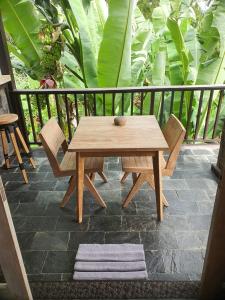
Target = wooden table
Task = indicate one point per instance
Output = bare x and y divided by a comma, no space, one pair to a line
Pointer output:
98,136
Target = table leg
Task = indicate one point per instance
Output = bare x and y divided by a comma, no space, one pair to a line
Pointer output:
158,185
79,185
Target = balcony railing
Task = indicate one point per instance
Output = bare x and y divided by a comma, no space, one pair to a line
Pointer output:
200,108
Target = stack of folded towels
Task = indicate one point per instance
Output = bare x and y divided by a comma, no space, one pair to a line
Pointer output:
110,262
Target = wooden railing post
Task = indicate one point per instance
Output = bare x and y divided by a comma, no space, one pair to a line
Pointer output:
10,256
213,276
220,165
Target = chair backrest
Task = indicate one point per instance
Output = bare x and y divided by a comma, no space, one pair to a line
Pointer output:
53,139
174,133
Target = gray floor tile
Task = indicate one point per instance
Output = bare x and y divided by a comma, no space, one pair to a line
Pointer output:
25,240
35,223
122,237
34,261
108,223
191,239
30,209
68,223
22,197
159,239
50,241
138,223
59,262
89,237
154,262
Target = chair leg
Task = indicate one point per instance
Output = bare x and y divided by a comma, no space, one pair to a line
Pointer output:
92,177
88,183
20,136
71,187
5,148
20,161
102,175
124,177
135,188
150,180
134,177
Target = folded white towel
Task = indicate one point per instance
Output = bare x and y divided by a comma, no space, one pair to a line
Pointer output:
109,266
110,275
110,252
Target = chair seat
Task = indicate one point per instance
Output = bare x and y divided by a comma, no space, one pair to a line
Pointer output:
7,119
92,164
139,164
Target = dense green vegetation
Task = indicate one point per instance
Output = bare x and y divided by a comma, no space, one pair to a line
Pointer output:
114,43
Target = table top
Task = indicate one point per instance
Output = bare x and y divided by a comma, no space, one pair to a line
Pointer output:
97,134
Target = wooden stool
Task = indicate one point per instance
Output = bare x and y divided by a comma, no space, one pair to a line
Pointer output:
8,127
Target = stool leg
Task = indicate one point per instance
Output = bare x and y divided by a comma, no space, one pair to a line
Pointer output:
25,146
5,148
15,146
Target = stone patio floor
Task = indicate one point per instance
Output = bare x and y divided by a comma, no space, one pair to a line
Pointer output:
174,249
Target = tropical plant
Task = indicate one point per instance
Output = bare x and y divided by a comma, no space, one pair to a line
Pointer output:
112,43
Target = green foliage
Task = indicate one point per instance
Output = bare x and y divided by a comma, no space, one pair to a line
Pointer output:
122,43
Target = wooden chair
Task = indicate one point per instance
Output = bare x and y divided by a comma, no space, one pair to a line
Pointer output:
53,139
142,167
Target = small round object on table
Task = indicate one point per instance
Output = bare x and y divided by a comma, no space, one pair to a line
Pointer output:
6,119
120,121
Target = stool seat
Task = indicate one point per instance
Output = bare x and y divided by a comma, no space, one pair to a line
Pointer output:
7,119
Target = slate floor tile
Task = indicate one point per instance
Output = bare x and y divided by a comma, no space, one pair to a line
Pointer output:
22,197
175,184
206,207
159,239
110,185
138,223
182,208
169,277
59,262
110,195
46,197
35,223
25,240
122,237
50,241
115,208
34,261
154,262
202,222
18,186
68,223
191,239
183,261
89,237
174,223
30,209
44,277
42,186
193,195
107,223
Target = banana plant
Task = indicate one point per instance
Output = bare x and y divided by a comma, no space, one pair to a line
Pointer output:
22,22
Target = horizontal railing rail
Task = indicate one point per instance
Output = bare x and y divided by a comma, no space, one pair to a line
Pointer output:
200,108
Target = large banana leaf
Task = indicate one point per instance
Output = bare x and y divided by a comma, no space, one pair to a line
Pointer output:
22,23
114,61
140,48
178,40
87,49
